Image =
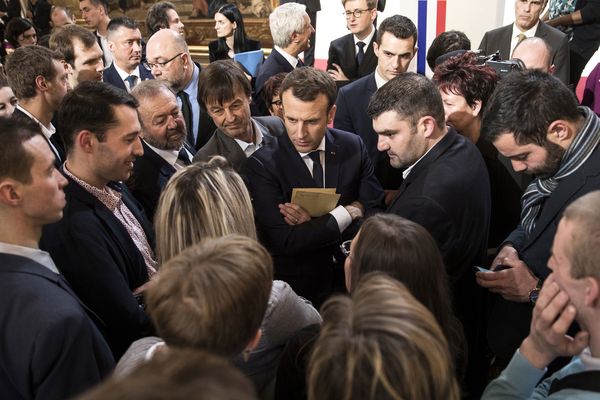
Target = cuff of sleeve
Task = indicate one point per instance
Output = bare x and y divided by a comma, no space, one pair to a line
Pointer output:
342,217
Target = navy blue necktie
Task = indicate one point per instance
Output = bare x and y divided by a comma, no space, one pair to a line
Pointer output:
317,167
361,53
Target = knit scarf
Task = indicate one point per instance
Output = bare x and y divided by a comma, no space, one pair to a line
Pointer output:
579,151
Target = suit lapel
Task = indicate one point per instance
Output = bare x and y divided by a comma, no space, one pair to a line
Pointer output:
297,168
332,161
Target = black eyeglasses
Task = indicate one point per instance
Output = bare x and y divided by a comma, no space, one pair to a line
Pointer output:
357,13
345,248
160,65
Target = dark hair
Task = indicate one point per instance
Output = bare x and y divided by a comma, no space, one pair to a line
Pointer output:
15,160
178,374
25,64
102,3
307,83
464,76
272,86
233,14
3,79
399,26
525,104
119,22
220,81
405,251
90,106
62,40
157,17
446,42
412,96
15,28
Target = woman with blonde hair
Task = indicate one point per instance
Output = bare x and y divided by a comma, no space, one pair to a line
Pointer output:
381,343
210,200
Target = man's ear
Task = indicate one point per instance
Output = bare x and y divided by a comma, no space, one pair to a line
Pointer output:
560,132
592,291
331,114
427,125
9,192
40,83
476,108
85,140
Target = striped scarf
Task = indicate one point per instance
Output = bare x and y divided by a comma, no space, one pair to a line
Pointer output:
579,151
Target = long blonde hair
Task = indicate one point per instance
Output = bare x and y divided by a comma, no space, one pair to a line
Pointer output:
204,200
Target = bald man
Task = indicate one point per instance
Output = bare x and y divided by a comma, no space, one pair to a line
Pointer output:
535,53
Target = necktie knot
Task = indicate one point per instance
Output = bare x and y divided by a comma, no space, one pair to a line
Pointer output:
131,80
183,156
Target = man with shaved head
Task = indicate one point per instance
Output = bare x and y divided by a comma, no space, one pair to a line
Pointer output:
535,54
169,59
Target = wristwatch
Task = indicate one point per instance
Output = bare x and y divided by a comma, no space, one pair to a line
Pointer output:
535,292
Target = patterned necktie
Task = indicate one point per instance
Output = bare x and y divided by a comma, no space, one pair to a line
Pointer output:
361,53
317,167
186,110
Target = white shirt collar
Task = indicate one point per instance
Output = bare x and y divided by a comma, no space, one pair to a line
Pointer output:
291,59
37,255
170,156
366,40
47,131
320,147
409,168
379,80
515,35
250,148
123,74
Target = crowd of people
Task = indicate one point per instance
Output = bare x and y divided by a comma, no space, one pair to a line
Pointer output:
176,230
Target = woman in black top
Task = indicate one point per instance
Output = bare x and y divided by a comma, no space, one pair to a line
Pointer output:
231,36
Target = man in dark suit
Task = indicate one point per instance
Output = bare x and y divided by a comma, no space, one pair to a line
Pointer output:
169,60
163,139
352,55
395,47
312,7
291,30
225,93
95,15
104,243
309,156
50,348
39,78
527,24
560,148
446,189
125,44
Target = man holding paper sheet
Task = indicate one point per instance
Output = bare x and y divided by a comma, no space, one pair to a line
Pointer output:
310,156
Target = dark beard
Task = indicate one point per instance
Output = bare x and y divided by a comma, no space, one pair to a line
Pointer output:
552,163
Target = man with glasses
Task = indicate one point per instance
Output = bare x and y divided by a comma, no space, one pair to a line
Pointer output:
169,60
527,24
352,56
125,43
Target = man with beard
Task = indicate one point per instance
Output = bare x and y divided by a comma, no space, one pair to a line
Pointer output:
534,120
163,140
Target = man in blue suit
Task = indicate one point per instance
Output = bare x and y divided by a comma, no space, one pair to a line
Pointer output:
304,249
395,47
291,30
50,347
125,43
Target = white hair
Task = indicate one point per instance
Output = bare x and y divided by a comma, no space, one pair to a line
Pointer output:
286,20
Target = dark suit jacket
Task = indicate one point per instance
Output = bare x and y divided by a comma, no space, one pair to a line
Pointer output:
448,193
351,115
50,349
59,147
311,5
206,126
509,321
214,54
500,38
342,52
222,145
150,175
273,65
112,76
95,253
303,254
